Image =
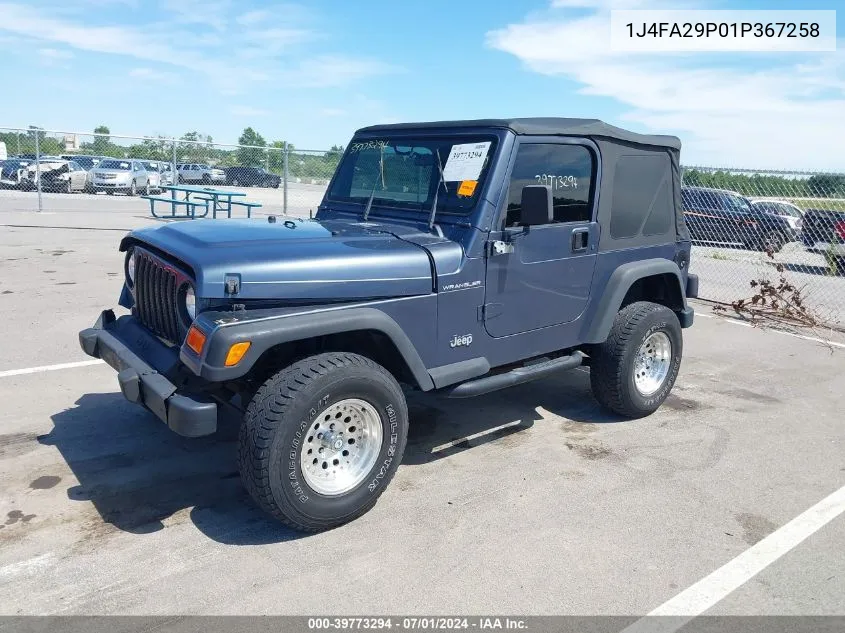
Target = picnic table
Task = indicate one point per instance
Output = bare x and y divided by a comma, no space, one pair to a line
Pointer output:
205,198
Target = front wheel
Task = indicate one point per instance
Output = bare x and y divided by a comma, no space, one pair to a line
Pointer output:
321,439
133,190
633,371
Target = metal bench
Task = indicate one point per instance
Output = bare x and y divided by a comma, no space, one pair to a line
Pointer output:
190,206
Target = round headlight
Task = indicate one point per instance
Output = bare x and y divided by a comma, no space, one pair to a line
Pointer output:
190,302
130,267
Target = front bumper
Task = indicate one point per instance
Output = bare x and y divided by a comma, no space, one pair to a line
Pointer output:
145,366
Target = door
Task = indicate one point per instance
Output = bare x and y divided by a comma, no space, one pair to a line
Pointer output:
77,175
539,276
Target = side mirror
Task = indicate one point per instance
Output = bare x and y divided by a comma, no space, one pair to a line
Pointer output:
536,205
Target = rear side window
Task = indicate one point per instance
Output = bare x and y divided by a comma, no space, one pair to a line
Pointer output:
642,196
567,169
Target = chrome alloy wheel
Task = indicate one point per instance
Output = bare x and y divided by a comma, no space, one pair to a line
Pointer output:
341,447
651,365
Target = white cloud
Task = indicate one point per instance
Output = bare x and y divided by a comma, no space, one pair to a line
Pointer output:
729,110
251,18
149,74
54,56
248,111
237,48
336,70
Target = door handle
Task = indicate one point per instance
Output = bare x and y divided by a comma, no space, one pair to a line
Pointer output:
580,240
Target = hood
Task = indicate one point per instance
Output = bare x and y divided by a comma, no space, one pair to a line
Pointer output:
294,259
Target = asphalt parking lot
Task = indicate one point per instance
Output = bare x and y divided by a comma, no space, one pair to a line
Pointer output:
528,501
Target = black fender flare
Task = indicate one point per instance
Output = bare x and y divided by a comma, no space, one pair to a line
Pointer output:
597,329
223,331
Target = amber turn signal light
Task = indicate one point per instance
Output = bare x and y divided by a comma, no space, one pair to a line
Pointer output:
195,340
236,353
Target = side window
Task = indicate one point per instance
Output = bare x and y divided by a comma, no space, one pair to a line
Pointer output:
567,169
642,201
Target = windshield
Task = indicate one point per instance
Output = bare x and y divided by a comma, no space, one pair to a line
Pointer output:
404,172
114,164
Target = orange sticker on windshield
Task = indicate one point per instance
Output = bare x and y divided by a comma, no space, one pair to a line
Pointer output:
467,187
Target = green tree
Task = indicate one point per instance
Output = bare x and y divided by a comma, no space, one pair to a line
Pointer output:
102,141
827,185
251,156
276,155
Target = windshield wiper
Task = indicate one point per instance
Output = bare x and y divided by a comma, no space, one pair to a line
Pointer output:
375,184
436,192
370,201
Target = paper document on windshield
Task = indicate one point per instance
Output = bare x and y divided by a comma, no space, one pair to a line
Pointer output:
465,161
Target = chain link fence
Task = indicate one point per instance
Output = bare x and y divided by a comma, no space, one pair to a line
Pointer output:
280,177
748,226
751,229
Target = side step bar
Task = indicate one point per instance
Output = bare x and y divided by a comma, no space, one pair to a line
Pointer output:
517,376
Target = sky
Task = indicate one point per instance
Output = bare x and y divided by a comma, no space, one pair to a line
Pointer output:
311,73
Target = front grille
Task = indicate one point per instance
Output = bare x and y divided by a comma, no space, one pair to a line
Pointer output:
156,297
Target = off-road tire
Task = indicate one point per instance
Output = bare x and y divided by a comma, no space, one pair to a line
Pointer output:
612,362
278,419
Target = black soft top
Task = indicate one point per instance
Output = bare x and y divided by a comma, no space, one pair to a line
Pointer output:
552,126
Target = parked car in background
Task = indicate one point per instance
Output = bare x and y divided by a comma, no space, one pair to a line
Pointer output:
786,210
824,232
66,177
251,177
166,174
13,173
125,176
198,172
718,215
46,164
85,161
155,169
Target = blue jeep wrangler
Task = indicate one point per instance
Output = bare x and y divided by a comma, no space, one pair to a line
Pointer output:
461,257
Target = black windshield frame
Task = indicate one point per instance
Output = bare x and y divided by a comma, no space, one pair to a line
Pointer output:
420,149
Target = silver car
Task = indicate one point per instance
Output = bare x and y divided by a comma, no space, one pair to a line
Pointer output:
200,173
123,175
156,170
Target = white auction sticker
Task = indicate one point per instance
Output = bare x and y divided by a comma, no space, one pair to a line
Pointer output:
465,161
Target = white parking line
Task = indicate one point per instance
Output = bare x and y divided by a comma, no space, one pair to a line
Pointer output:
792,334
709,590
37,370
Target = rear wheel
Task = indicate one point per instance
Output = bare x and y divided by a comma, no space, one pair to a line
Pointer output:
633,371
321,439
